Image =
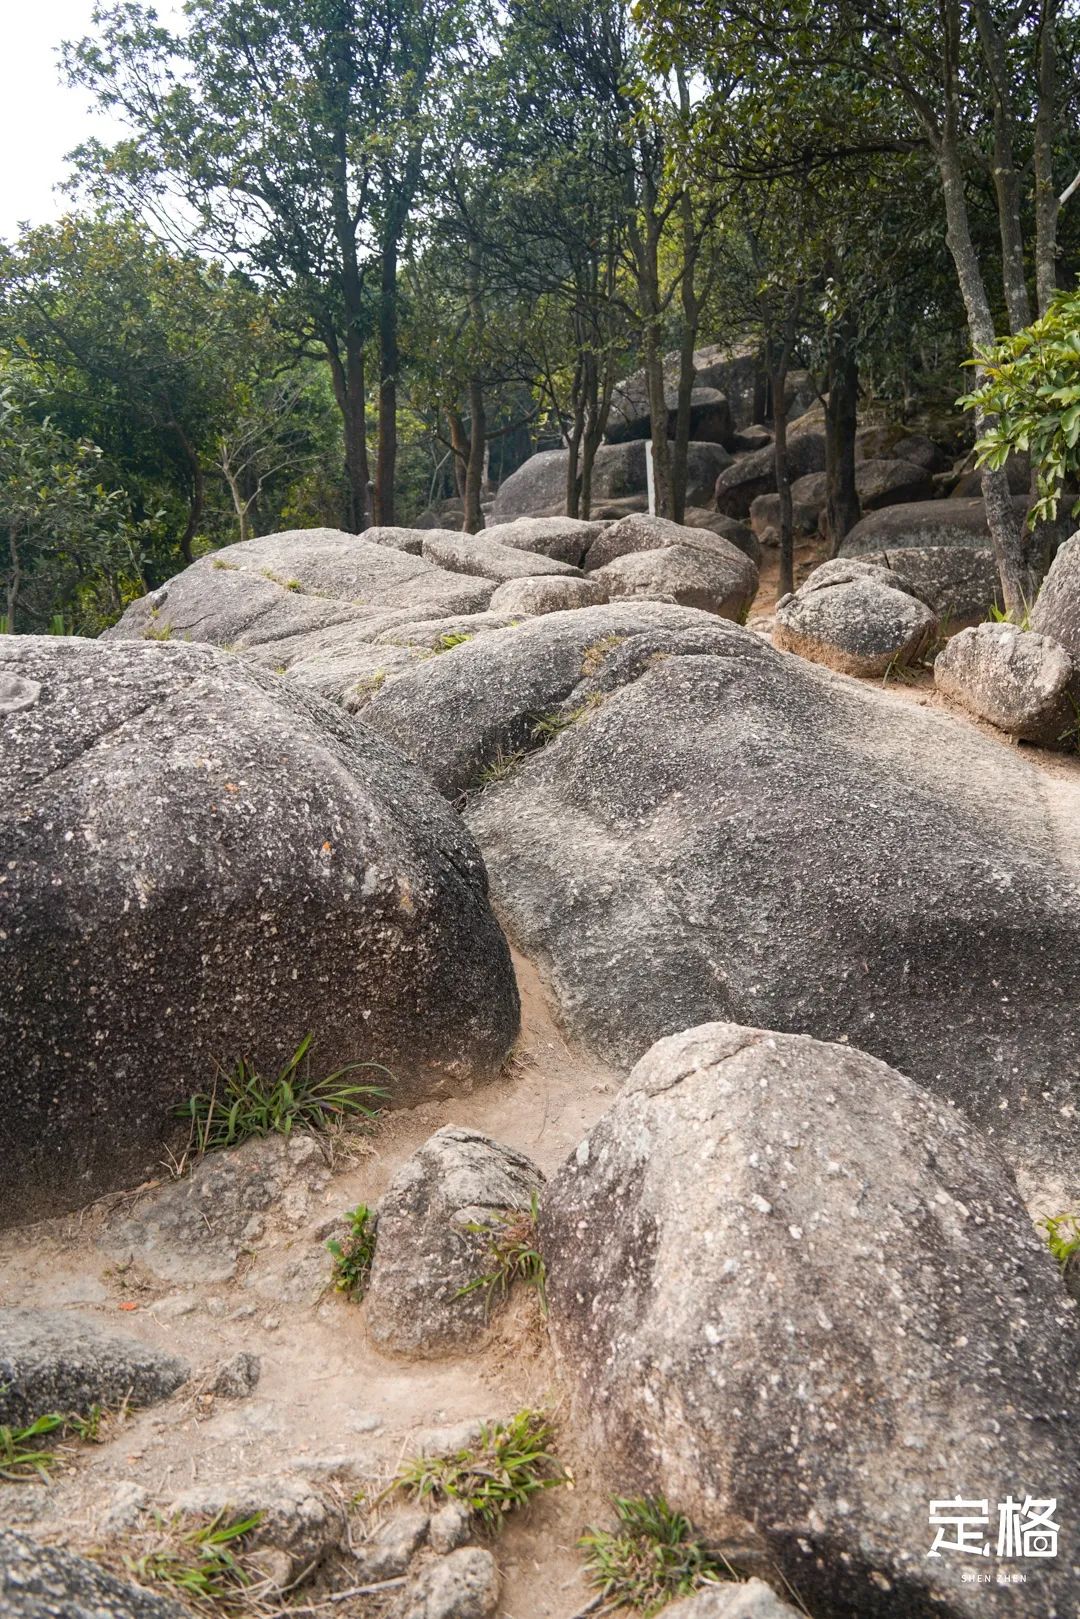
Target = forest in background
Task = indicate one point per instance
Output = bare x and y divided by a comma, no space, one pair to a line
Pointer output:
358,260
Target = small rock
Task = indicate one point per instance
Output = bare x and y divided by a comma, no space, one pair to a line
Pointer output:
295,1519
531,597
235,1379
463,1585
449,1528
391,1548
1022,682
126,1503
447,1440
43,1582
55,1360
752,1600
854,621
273,1565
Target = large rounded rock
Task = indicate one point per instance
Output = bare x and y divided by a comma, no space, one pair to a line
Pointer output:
722,581
879,483
752,475
858,622
1022,682
733,833
434,1241
204,863
297,584
538,487
1057,607
484,558
801,1297
45,1582
528,597
565,538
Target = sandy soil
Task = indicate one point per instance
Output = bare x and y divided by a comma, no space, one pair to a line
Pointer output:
329,1406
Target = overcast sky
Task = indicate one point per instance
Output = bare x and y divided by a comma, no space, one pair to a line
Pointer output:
40,118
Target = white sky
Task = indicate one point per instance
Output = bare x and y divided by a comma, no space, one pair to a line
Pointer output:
41,119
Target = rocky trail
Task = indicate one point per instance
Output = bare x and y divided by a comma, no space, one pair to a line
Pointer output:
715,955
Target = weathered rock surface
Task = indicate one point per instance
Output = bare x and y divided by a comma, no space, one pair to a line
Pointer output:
295,1519
1057,607
296,583
529,597
458,716
538,487
405,539
565,538
43,1582
426,1253
919,524
878,482
942,546
959,582
1022,682
856,622
801,1297
463,1585
734,833
750,1600
741,536
485,558
56,1360
390,1550
752,475
256,864
764,518
198,1228
630,418
690,575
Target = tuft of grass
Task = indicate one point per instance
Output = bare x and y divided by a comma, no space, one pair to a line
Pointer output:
593,660
1062,1235
452,638
548,726
276,579
22,1456
501,768
204,1564
242,1103
510,1463
353,1255
651,1558
153,633
231,567
512,1255
998,615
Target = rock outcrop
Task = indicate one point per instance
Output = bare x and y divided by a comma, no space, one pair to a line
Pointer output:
1057,607
203,863
729,832
56,1360
752,475
1021,681
856,620
435,1233
44,1582
801,1297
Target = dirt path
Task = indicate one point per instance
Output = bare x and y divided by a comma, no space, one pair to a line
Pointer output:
328,1407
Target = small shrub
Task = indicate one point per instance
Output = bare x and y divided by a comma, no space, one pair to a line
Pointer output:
509,1464
242,1103
1062,1235
650,1559
204,1564
353,1255
512,1255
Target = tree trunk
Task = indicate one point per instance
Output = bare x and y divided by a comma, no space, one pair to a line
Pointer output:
197,498
687,345
1006,180
389,362
1006,529
474,470
1046,199
842,510
14,581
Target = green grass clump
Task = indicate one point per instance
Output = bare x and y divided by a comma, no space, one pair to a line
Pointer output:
548,726
501,768
22,1456
998,615
231,567
353,1255
509,1464
452,638
243,1103
204,1564
1062,1235
512,1255
651,1558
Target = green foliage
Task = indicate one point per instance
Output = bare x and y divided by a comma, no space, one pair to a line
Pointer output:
242,1103
1029,385
998,615
509,1464
512,1255
1062,1235
353,1254
23,1457
205,1564
501,768
452,638
650,1559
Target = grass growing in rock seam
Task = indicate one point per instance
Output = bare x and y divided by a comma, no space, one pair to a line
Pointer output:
23,1456
1062,1235
243,1103
205,1564
650,1558
510,1463
353,1254
512,1255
